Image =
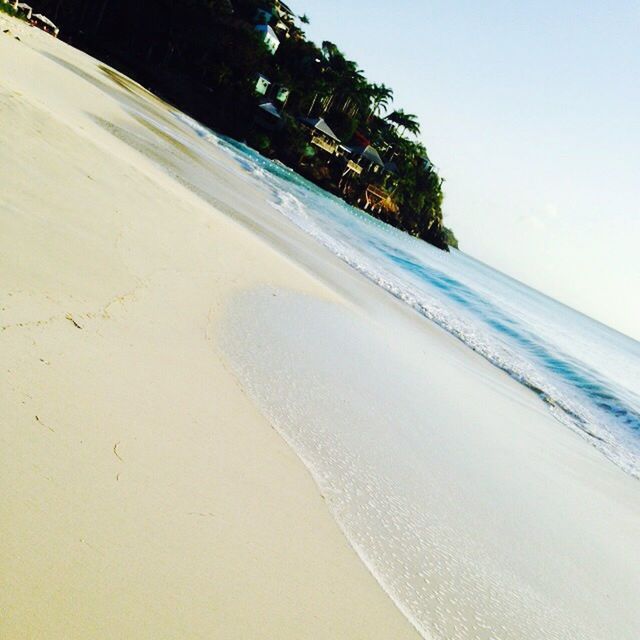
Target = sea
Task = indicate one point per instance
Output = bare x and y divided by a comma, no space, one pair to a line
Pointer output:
586,372
586,375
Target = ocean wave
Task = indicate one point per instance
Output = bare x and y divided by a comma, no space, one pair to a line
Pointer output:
575,393
475,304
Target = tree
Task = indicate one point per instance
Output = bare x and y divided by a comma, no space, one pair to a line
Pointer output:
406,121
381,98
203,55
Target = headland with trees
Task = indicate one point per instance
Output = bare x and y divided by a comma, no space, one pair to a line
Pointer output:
246,69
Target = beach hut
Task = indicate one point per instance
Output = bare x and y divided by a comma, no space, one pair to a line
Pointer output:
360,159
322,136
351,165
268,36
377,199
365,157
368,154
42,22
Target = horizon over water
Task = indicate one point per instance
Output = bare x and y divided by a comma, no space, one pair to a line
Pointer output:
416,501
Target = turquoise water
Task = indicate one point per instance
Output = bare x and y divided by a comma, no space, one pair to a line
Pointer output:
587,373
464,507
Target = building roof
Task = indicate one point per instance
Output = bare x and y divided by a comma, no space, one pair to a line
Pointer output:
44,19
368,153
285,8
270,109
268,30
320,125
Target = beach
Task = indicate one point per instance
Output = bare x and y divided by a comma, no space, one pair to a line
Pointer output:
200,402
144,495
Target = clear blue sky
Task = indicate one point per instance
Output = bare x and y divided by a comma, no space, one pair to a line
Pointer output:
531,111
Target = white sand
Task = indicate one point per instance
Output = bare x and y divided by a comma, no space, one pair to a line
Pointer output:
150,498
143,495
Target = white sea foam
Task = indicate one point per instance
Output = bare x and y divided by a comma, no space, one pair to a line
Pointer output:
588,375
456,535
452,509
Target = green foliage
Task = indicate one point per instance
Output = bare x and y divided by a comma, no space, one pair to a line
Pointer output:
203,56
405,121
8,9
381,97
343,125
290,143
260,141
450,238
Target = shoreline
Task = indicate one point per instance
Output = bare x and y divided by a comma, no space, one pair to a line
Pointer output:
178,248
148,498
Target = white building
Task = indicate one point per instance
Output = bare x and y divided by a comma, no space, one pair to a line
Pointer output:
262,84
268,36
282,95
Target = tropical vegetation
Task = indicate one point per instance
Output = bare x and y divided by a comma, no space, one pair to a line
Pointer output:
5,7
203,56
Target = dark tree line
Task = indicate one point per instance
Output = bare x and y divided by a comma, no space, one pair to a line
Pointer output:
202,55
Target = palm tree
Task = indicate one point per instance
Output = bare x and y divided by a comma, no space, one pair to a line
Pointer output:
381,97
406,121
348,90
